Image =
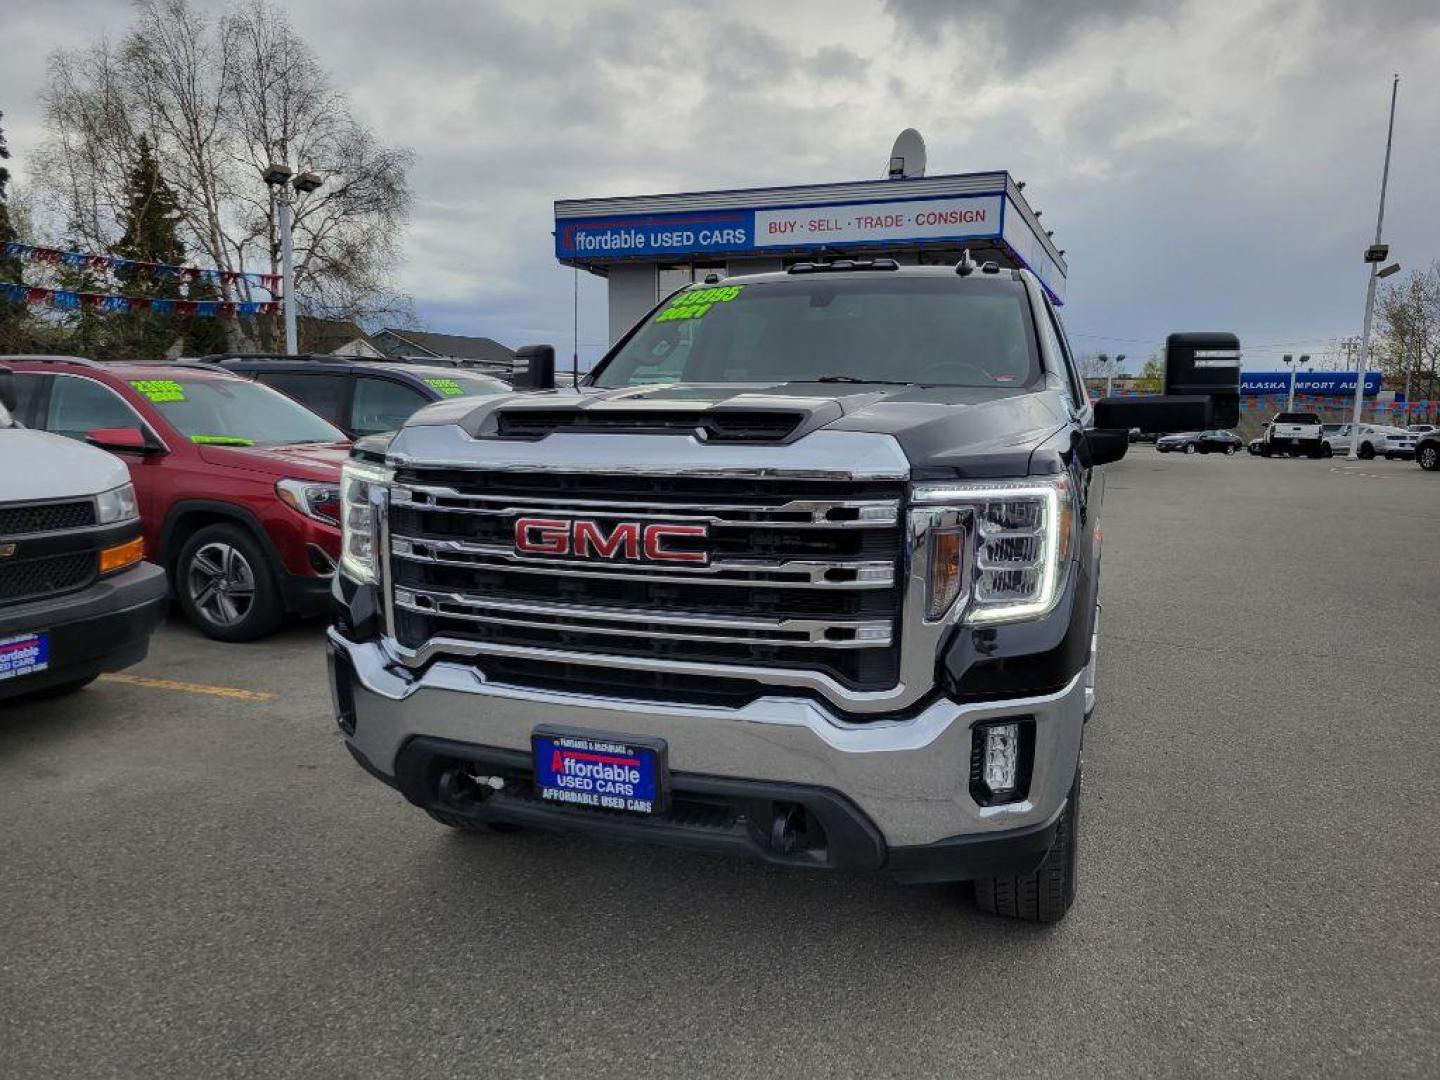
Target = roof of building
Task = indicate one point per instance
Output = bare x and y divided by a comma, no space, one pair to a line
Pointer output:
456,345
330,335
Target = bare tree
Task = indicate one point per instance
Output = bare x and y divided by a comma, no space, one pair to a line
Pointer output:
219,99
1408,347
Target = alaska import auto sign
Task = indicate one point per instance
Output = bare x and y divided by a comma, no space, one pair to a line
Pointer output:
1255,383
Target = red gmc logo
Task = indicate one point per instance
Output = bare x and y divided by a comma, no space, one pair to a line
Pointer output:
586,539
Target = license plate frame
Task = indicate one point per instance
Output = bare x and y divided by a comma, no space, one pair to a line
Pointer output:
16,660
601,770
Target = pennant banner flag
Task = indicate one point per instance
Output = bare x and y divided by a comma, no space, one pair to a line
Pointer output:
135,268
68,300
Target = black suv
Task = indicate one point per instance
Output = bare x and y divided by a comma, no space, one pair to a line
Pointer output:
361,397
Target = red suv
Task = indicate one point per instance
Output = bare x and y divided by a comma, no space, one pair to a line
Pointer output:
238,485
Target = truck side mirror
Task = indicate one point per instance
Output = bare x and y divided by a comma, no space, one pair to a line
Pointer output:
1202,389
534,367
1101,446
9,396
129,440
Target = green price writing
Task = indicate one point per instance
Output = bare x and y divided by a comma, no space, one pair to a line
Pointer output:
159,390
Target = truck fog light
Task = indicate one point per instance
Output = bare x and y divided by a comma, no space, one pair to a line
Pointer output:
1000,760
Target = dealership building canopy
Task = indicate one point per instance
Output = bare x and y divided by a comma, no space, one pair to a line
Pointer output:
646,246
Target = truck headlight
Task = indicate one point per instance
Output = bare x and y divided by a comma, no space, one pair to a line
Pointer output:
360,484
116,505
314,500
998,552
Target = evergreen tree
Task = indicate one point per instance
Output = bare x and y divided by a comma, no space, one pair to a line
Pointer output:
150,235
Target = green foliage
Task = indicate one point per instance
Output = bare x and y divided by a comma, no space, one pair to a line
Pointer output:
1151,379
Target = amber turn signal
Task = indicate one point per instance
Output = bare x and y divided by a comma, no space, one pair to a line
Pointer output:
121,556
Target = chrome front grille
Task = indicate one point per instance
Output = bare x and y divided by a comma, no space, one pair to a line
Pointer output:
803,574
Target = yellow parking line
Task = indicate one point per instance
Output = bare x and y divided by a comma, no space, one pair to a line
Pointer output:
190,687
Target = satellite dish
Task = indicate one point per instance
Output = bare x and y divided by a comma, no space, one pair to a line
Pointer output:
907,156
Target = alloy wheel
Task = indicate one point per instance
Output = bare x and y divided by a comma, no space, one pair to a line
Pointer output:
221,583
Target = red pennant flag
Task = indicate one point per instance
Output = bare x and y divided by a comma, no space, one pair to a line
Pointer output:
185,307
35,296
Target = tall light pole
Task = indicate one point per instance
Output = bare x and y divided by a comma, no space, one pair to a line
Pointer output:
1289,361
286,185
1374,255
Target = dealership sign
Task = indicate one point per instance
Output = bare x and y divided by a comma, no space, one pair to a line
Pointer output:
740,231
1307,382
984,220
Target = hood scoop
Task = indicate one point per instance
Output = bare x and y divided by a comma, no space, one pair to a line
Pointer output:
707,425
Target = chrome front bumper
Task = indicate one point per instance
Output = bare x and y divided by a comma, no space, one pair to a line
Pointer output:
909,776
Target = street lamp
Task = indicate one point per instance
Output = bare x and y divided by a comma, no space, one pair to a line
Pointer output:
283,180
1294,366
1375,254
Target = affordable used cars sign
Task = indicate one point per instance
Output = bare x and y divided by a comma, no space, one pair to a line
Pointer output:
744,230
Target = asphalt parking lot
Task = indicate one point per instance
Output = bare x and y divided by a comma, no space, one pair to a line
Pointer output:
196,880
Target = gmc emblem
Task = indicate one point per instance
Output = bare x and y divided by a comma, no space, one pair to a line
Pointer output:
586,539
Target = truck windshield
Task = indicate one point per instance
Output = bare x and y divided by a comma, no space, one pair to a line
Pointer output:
234,412
940,331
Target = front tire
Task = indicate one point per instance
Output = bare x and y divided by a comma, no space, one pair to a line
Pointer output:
226,586
1229,450
1367,452
1190,448
1429,458
1327,451
1045,894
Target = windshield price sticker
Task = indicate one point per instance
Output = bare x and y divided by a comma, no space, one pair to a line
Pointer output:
694,305
159,390
221,440
446,387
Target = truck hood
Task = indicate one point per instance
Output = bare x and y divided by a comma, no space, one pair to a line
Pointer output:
944,430
54,467
304,461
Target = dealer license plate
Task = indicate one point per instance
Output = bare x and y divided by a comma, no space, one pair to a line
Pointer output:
24,654
600,770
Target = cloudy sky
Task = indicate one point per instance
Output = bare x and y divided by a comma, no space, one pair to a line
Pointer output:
1206,165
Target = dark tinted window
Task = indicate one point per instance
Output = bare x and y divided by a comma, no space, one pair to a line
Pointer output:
382,405
78,406
323,394
941,330
28,387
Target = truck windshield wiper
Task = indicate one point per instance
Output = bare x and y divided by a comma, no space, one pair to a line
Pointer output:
853,379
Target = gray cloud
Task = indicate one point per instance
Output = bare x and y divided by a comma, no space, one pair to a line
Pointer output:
1021,33
1211,163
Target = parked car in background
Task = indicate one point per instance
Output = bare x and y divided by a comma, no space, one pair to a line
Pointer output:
360,397
1427,451
1399,444
237,484
1294,433
76,596
1199,442
1371,437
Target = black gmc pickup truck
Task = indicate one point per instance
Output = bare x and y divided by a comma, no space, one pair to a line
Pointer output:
807,569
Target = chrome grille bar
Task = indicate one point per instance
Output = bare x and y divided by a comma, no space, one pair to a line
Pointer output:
673,626
807,513
790,573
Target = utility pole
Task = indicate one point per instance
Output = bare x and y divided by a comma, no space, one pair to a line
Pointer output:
1289,361
1375,255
